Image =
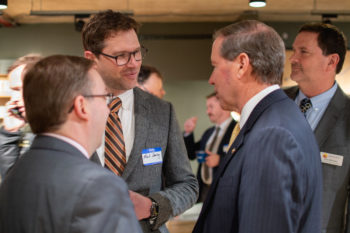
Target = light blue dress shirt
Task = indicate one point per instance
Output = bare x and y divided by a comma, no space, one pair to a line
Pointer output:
319,105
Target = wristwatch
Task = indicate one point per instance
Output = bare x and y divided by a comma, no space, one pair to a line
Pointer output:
154,212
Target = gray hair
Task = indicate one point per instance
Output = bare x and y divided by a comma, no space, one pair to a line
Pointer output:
261,43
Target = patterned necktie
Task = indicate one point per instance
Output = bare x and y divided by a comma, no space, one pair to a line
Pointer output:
210,148
115,158
234,134
305,104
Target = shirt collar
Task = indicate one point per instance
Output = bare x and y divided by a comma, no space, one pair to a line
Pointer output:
69,141
127,99
224,124
250,105
320,100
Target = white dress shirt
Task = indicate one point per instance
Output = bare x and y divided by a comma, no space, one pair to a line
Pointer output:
223,127
69,141
251,104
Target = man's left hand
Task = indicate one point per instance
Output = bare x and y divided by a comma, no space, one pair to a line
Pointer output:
212,160
142,205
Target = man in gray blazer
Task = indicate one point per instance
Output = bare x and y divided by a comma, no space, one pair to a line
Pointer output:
147,149
319,53
54,187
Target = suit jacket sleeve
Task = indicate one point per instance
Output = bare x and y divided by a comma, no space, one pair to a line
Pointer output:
9,150
191,146
107,211
272,186
180,185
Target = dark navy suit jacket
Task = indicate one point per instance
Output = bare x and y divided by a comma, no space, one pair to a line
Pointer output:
193,146
271,180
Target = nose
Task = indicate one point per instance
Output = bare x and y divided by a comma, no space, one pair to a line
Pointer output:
132,61
207,111
293,58
211,79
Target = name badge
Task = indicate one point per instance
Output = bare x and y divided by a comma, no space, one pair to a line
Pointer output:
152,156
332,159
225,148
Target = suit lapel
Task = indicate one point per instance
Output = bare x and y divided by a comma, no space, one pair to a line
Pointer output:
226,138
141,111
267,101
206,137
330,117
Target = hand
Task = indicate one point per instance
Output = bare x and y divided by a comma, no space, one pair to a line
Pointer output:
212,160
14,122
190,124
142,205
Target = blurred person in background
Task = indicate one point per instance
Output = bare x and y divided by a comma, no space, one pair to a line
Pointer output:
15,133
214,142
151,81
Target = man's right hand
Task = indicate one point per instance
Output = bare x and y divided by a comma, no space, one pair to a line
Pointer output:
190,125
14,122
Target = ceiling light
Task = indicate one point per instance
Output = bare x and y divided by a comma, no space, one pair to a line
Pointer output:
3,4
257,3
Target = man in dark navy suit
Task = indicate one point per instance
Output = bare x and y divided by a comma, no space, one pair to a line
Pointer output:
270,181
214,142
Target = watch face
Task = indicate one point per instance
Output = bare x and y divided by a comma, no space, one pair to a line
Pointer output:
154,209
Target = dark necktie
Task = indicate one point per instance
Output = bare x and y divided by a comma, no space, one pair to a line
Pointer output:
210,148
304,105
115,158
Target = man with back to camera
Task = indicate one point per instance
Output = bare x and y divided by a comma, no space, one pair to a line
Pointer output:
270,181
214,142
151,81
143,142
15,134
54,187
318,55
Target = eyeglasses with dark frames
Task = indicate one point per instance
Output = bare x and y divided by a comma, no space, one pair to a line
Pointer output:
108,97
124,58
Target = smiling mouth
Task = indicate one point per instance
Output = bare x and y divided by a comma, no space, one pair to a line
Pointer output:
296,67
131,74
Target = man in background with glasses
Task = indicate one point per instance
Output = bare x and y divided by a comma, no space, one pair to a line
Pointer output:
143,142
54,187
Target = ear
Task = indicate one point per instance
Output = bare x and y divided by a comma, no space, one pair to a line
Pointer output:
333,60
81,109
243,64
89,55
